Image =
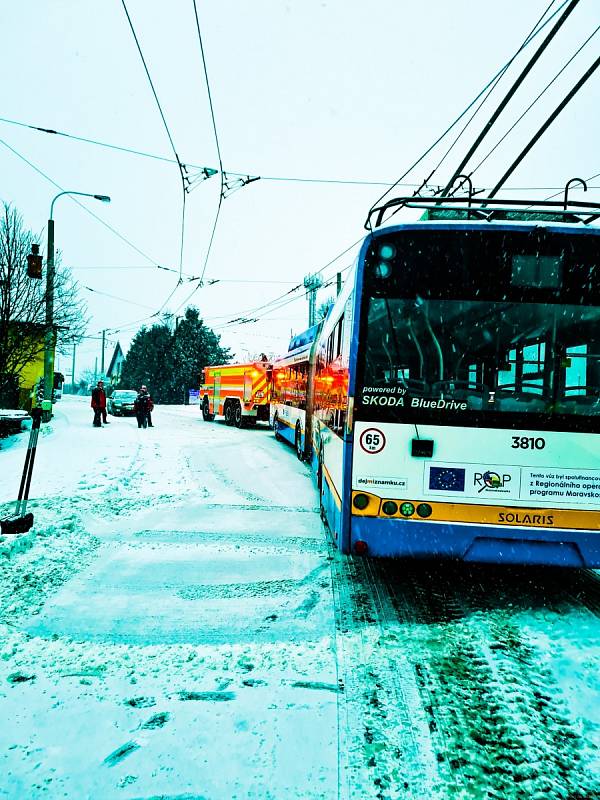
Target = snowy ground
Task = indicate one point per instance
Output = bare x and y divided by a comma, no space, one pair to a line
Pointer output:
180,628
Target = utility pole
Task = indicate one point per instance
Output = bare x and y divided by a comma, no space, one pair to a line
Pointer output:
73,371
102,360
338,282
96,369
312,283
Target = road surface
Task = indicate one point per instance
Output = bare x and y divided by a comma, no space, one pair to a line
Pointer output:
181,628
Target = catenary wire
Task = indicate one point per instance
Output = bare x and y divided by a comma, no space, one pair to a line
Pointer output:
180,166
530,106
517,83
214,124
114,296
496,82
453,124
81,205
548,122
274,178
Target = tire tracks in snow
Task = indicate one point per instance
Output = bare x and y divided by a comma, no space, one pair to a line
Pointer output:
384,746
499,725
451,696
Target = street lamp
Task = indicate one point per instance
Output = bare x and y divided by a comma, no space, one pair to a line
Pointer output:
49,338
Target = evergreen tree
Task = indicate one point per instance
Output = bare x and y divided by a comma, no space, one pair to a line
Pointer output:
149,362
171,363
194,346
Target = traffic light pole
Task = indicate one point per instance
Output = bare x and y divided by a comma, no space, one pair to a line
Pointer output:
49,335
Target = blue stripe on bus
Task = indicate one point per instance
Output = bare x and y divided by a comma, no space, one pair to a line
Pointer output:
478,543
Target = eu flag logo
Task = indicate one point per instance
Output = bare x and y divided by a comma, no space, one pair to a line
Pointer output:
447,479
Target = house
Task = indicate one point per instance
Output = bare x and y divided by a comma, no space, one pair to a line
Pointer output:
24,367
113,373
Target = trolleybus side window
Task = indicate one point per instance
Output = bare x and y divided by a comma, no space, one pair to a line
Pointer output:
331,383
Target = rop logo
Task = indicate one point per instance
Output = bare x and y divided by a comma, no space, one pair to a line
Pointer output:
490,480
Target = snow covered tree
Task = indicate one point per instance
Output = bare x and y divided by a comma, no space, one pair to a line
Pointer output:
194,346
170,363
149,362
23,304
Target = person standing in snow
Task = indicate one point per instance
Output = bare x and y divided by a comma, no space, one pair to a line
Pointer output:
143,407
99,404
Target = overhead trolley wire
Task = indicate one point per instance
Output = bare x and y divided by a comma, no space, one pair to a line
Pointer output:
81,205
114,296
513,89
461,115
204,172
214,124
526,41
530,106
180,165
561,106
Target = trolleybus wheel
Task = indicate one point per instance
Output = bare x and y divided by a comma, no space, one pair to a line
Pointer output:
238,420
206,415
278,436
298,440
228,413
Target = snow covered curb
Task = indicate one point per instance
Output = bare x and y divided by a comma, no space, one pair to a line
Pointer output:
11,545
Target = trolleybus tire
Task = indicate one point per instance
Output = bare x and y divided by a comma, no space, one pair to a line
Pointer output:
298,442
238,419
278,436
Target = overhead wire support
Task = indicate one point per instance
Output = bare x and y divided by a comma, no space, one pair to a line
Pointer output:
511,92
561,106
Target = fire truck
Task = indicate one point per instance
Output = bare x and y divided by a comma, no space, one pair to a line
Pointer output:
238,392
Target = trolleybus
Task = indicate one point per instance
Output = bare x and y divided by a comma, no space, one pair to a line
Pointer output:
450,402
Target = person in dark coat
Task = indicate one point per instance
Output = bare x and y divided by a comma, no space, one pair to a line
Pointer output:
143,406
99,404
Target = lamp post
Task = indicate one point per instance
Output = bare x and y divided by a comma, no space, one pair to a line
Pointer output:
49,338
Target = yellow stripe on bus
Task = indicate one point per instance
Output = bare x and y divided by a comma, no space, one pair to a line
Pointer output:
334,491
515,516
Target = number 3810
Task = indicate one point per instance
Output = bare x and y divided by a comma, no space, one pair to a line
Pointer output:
528,442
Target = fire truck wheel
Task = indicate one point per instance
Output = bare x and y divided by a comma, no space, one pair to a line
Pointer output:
206,415
228,413
238,420
298,439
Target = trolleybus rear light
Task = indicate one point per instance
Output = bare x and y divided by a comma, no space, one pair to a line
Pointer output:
387,251
407,509
424,510
361,501
360,547
389,508
383,270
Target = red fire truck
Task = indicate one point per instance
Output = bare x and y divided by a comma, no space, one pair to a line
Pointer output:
238,392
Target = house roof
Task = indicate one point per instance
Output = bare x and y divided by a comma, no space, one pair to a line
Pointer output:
117,358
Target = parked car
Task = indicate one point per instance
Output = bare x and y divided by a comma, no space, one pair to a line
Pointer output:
120,403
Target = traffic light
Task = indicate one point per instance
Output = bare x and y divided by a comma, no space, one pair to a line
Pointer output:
34,262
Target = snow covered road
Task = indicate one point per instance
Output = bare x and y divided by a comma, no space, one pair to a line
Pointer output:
180,628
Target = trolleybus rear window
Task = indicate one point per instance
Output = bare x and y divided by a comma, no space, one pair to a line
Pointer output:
452,333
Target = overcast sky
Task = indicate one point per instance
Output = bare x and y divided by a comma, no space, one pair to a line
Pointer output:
343,89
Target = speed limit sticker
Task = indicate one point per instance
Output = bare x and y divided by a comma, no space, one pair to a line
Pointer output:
372,440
